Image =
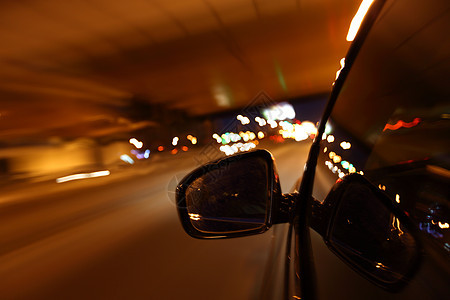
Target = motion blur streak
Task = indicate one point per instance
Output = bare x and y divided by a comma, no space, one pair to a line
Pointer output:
401,124
136,143
82,176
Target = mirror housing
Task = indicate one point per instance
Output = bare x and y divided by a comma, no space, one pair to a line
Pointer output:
364,228
234,196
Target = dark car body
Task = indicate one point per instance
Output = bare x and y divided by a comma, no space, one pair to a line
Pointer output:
370,217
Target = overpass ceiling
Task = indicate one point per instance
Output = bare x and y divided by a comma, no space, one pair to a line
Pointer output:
201,56
60,60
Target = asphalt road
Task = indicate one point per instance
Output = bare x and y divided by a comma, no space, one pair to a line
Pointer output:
118,237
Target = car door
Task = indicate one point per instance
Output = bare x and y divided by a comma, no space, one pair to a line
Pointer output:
390,123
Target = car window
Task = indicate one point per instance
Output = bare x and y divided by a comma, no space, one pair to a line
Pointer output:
391,121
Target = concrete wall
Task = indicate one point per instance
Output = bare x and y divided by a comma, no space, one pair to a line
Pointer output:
76,156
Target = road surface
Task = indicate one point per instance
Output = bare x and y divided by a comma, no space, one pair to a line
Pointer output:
118,237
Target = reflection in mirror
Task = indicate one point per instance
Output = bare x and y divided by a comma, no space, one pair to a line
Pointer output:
371,238
231,198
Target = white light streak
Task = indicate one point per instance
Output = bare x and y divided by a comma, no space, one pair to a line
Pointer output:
82,176
357,19
136,143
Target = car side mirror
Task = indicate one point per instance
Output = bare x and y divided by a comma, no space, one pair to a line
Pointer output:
370,233
234,196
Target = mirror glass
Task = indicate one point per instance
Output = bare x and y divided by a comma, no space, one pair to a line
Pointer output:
369,236
231,197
